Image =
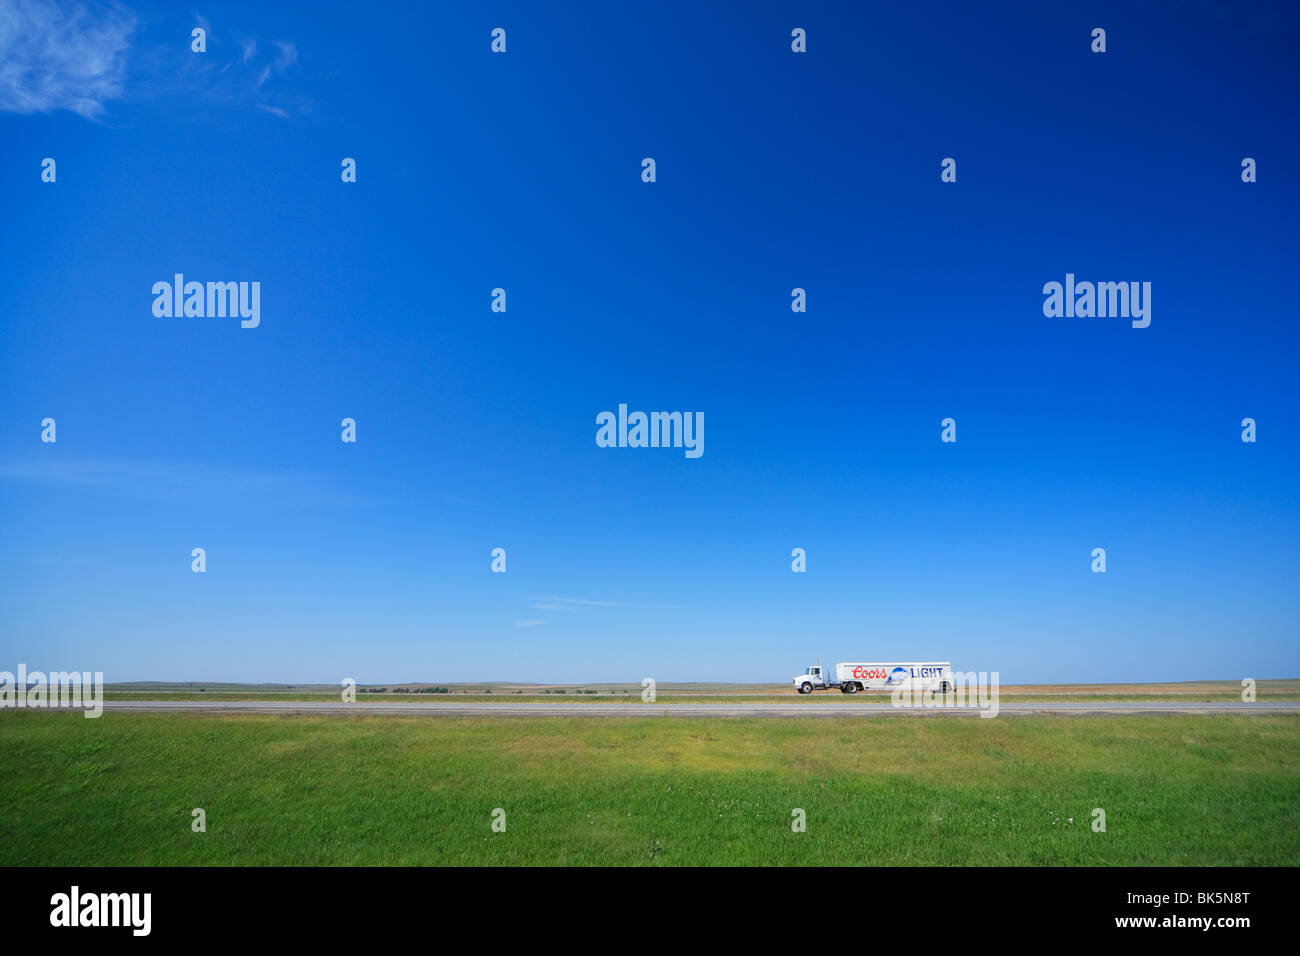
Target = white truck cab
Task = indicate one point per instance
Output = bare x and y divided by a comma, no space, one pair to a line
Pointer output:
814,678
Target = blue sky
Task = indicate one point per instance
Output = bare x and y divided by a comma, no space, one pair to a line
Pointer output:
476,429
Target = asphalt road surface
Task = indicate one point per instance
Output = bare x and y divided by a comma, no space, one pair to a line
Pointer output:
751,709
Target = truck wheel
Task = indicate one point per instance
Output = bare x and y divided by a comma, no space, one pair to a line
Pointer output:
944,687
805,688
850,688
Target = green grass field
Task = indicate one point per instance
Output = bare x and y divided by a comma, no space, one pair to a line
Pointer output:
655,791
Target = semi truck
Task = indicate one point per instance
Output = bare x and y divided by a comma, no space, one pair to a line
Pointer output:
850,678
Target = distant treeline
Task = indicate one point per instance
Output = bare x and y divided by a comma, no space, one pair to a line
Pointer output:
561,690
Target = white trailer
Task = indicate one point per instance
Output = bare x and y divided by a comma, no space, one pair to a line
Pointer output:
850,678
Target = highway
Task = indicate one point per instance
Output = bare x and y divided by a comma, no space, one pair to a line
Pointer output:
855,708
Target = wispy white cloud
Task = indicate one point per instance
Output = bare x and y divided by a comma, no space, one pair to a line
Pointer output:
286,58
288,55
62,56
255,75
79,55
528,623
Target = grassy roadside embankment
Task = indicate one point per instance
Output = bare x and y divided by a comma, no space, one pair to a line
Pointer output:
119,790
